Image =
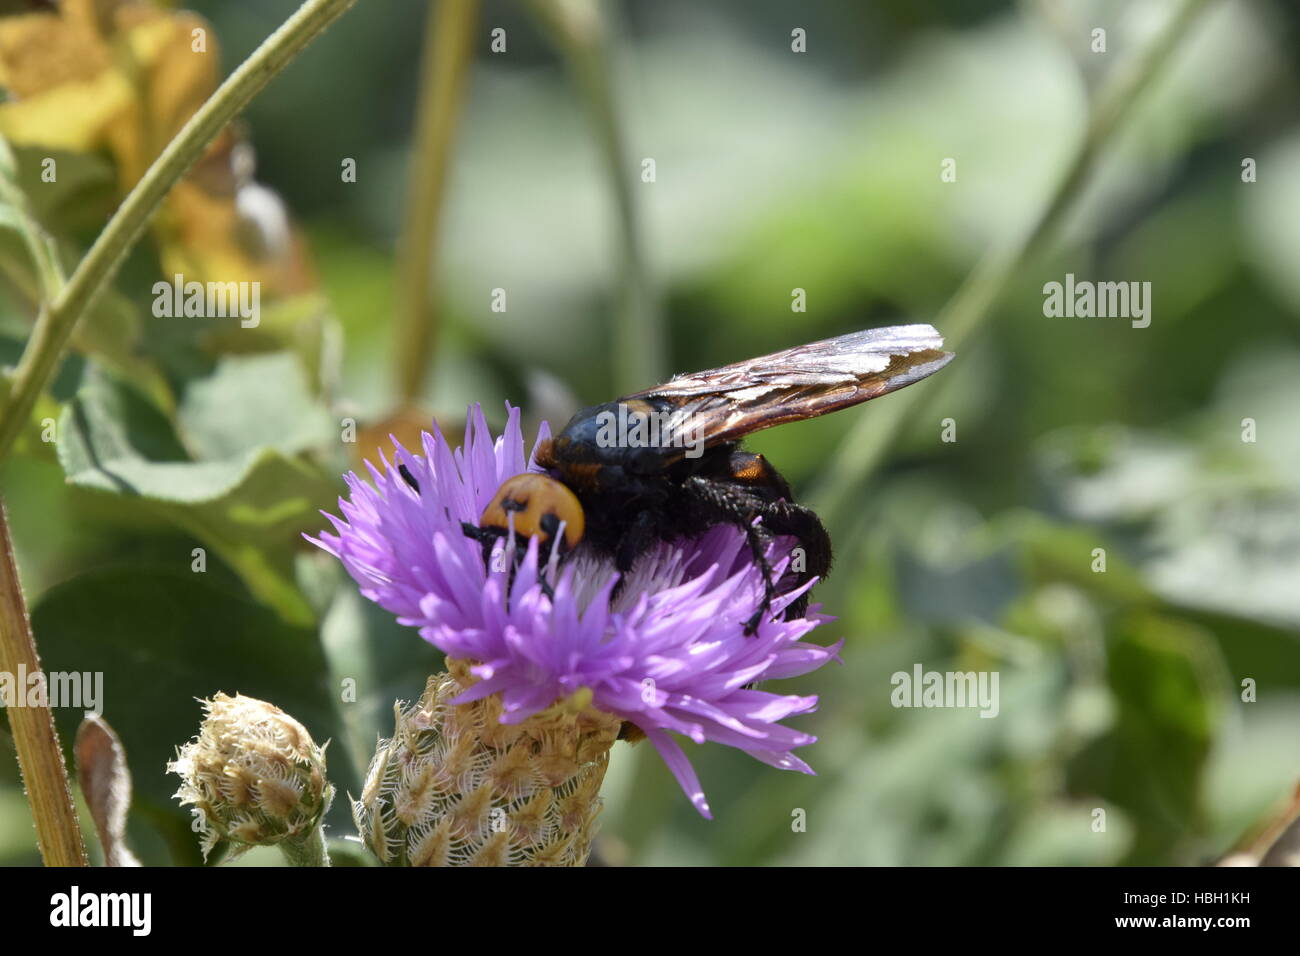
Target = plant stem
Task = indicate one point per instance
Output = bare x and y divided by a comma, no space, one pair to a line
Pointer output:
309,851
59,317
448,50
58,834
639,346
865,445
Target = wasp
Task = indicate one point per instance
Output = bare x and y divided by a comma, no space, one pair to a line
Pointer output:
666,463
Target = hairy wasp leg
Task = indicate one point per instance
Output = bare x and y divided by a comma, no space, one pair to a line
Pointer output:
756,542
487,538
802,524
639,536
740,507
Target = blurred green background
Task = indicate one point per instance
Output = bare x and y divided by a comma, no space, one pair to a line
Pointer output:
775,170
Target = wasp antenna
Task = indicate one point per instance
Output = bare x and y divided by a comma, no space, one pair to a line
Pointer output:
553,557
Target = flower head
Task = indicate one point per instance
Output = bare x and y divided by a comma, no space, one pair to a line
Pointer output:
666,651
253,773
454,786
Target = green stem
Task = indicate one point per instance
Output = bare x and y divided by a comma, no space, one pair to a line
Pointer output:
308,851
448,51
58,834
59,317
639,341
866,444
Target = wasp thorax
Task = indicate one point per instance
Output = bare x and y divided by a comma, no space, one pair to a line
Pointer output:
536,505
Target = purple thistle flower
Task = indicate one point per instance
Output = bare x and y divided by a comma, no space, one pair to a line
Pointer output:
667,653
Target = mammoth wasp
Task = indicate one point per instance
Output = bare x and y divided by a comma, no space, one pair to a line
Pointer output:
666,463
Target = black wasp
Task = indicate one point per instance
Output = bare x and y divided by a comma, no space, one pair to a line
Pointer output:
666,463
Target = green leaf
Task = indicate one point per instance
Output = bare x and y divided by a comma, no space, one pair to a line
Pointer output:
161,639
15,215
251,507
76,202
1211,525
8,165
251,402
1167,682
31,258
1055,552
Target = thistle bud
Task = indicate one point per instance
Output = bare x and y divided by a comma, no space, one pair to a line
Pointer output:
456,787
256,778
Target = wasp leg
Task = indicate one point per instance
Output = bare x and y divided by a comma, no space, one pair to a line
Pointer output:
634,541
408,478
802,524
631,545
783,516
630,732
740,507
488,537
756,542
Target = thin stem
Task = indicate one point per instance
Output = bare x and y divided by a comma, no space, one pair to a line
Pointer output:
639,341
58,834
866,444
448,52
309,851
59,318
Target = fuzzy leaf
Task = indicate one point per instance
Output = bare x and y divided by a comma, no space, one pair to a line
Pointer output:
251,507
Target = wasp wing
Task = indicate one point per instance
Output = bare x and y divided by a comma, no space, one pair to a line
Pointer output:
725,404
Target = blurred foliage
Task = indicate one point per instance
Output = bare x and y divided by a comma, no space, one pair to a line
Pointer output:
1120,691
